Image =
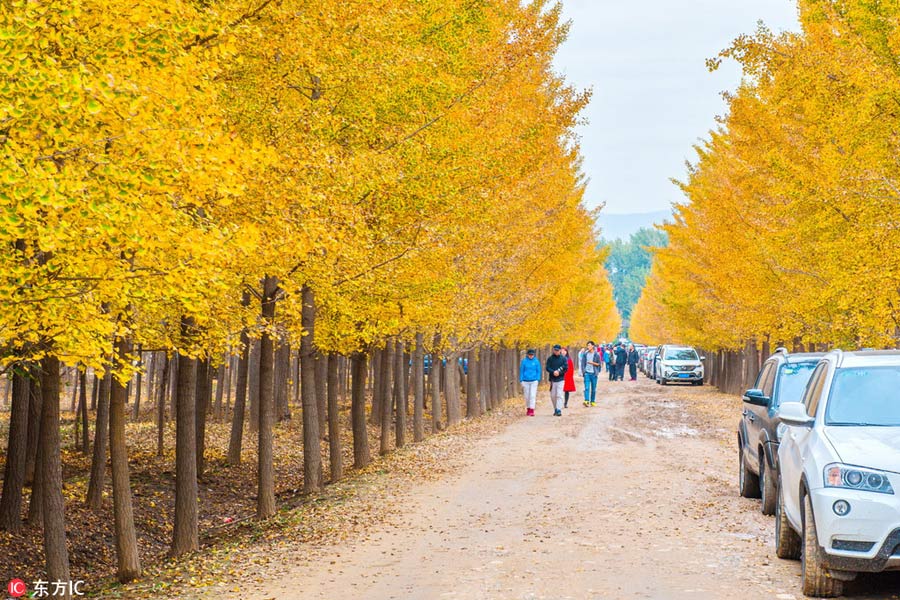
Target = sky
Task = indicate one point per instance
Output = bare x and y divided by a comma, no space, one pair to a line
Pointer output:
653,98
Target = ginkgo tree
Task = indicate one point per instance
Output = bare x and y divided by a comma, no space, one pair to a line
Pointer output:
789,226
356,179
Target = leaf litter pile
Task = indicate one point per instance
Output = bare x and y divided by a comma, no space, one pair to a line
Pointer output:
235,547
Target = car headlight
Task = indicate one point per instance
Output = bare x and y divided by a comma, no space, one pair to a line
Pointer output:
781,430
856,478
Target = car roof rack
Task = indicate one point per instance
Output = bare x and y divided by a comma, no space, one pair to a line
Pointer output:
782,350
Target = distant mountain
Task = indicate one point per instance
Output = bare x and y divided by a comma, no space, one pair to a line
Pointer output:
621,227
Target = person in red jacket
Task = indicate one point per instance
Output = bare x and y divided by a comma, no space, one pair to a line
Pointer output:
569,385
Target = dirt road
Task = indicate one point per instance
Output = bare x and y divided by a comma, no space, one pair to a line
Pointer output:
635,498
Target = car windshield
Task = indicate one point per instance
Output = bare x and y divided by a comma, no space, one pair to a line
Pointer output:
681,354
865,396
792,379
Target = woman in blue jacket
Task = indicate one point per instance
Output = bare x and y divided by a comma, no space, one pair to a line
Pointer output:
529,376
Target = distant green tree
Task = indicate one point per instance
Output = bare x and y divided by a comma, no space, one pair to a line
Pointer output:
628,265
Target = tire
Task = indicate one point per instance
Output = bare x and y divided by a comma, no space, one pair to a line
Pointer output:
700,382
787,542
748,483
663,381
767,491
817,580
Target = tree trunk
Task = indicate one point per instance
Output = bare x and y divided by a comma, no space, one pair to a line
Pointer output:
377,388
282,372
434,374
334,425
359,370
185,535
74,393
473,404
321,367
240,400
418,367
253,385
265,494
95,390
220,390
98,462
312,453
387,404
14,469
34,427
129,564
55,552
136,412
201,398
161,404
483,386
400,394
452,387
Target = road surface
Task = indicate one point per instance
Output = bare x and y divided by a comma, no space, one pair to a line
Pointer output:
634,498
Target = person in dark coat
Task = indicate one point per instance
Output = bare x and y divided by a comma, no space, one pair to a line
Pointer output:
633,358
621,359
609,357
556,367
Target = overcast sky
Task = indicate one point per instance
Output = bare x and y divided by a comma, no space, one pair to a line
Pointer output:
653,97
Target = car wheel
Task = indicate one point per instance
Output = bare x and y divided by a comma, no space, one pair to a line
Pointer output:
766,488
663,381
787,542
700,382
748,483
817,581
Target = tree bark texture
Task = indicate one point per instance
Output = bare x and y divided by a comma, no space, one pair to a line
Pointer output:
265,494
312,454
334,423
185,536
98,461
359,370
129,564
56,554
418,367
14,469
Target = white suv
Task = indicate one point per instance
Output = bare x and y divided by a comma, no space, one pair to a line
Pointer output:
839,461
678,363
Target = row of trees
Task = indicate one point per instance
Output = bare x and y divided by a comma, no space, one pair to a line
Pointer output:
352,179
790,232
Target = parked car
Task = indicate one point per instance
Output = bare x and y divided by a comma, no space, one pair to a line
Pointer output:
839,460
646,363
678,363
782,378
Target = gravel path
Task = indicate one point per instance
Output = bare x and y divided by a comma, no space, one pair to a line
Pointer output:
634,498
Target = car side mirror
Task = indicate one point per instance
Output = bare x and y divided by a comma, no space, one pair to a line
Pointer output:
756,398
702,358
794,413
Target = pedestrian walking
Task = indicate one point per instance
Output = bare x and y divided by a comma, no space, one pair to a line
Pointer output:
569,380
529,375
621,359
610,357
633,357
556,366
590,367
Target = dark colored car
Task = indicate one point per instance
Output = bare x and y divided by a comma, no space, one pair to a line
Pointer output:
782,379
